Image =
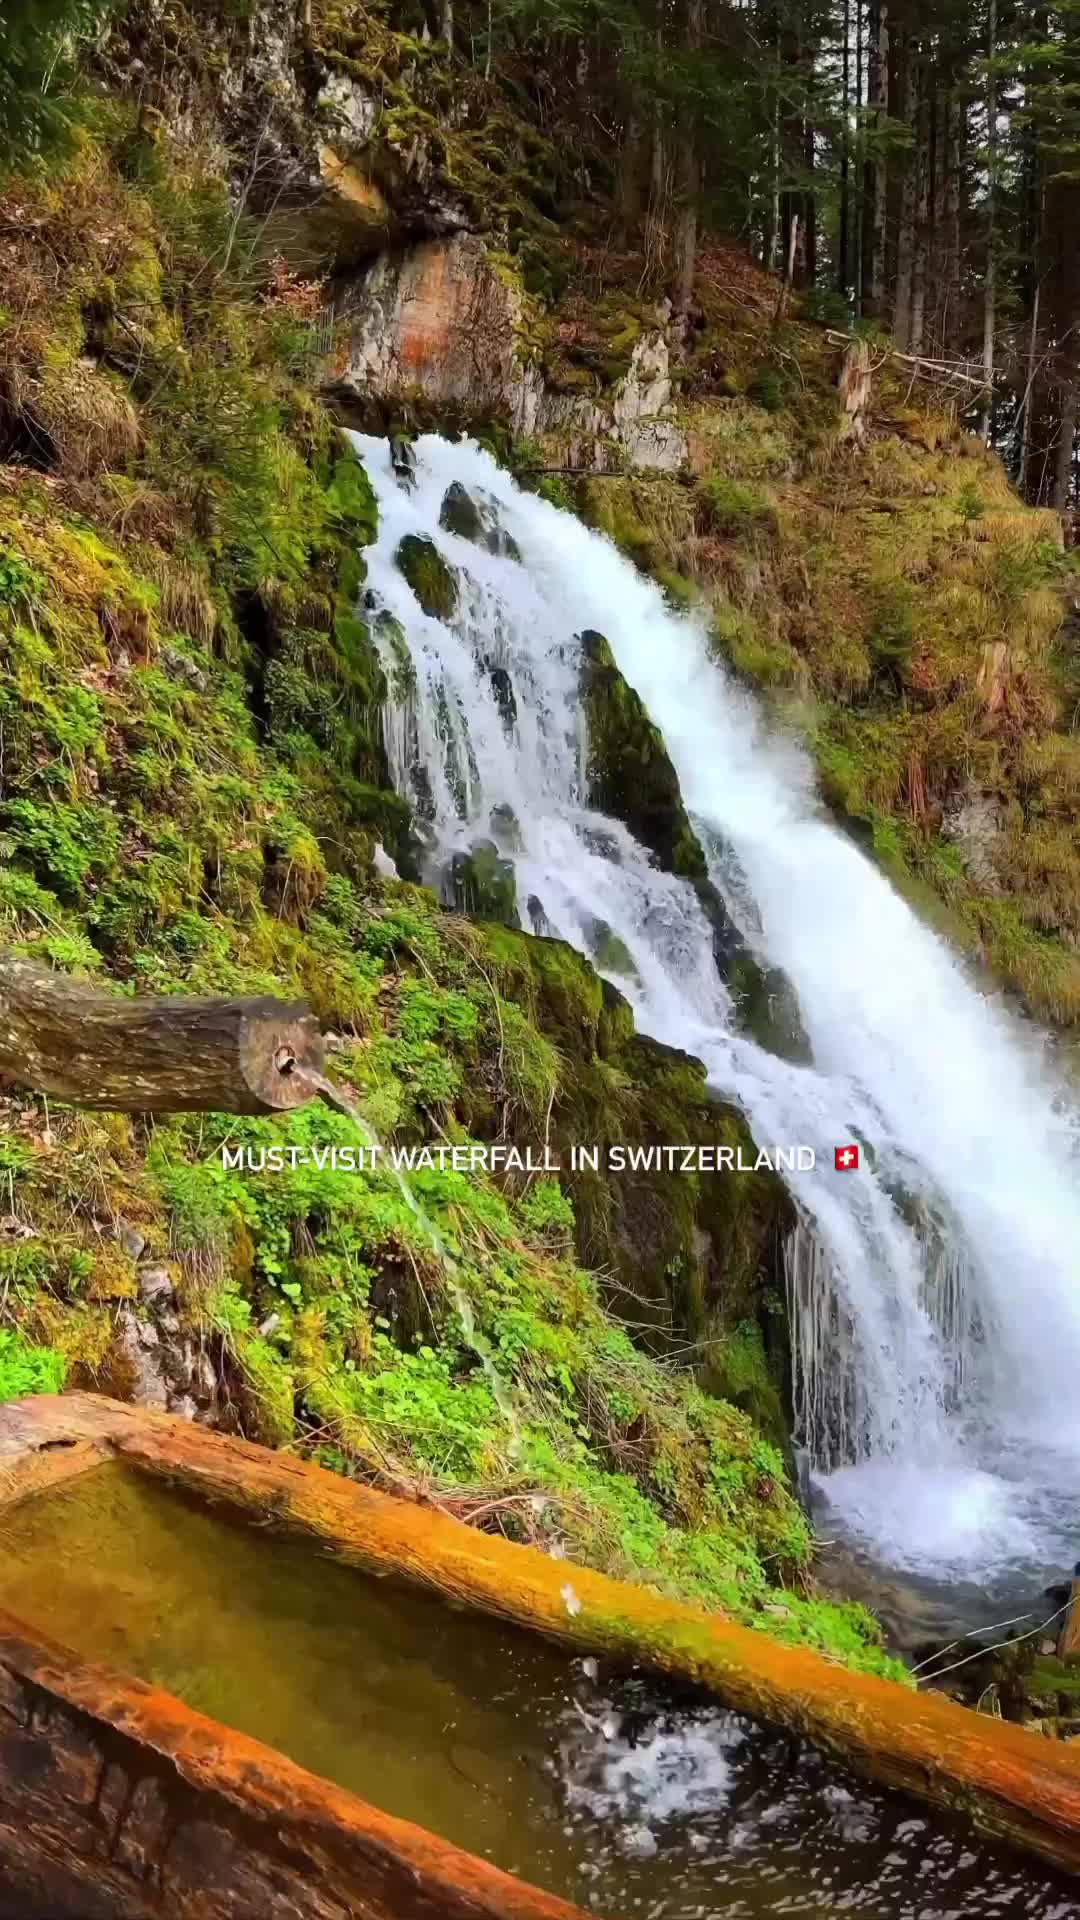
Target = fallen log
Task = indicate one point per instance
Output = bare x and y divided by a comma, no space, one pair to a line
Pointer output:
1014,1785
165,1054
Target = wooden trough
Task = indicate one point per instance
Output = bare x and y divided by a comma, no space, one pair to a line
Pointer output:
117,1801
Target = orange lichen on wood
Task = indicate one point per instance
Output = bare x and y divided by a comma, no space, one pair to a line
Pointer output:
117,1800
1013,1784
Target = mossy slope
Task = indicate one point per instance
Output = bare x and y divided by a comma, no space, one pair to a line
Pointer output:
192,792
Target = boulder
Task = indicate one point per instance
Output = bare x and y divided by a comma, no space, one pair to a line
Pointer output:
433,580
475,517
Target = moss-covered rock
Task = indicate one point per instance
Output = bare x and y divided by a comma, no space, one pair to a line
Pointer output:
433,580
483,884
629,771
610,953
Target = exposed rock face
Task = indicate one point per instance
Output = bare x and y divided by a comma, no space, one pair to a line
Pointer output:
291,122
974,824
443,325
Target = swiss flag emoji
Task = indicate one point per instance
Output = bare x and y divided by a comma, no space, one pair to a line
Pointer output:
846,1159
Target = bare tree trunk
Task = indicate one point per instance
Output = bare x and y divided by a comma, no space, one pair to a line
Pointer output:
905,246
877,171
446,23
917,329
1065,449
689,175
990,282
1029,389
954,161
860,223
166,1054
843,278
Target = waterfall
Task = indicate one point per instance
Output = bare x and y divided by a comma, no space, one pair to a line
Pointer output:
934,1294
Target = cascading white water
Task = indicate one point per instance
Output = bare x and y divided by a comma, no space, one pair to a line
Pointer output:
936,1292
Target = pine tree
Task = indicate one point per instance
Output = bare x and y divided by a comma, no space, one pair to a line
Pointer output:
37,41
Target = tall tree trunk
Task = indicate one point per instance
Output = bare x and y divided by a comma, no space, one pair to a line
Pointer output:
843,276
905,244
859,227
877,171
923,174
990,280
1068,343
952,317
689,175
1066,447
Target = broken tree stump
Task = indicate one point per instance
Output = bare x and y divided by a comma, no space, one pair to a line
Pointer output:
161,1054
1068,1646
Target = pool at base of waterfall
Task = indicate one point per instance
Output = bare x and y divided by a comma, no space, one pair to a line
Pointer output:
960,1543
603,1786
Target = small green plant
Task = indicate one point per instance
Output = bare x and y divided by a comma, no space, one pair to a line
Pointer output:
25,1369
20,584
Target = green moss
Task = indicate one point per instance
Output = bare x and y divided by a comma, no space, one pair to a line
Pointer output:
630,773
484,885
431,578
26,1369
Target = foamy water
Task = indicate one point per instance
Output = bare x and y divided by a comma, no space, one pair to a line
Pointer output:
936,1292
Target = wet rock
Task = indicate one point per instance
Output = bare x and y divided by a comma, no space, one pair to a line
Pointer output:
538,919
505,698
460,514
629,771
131,1240
483,884
434,582
504,825
475,517
610,953
766,1006
403,460
156,1284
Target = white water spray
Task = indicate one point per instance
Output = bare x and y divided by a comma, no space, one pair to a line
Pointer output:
936,1292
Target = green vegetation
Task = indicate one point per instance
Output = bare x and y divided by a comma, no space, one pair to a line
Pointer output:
630,772
25,1369
36,42
431,578
193,790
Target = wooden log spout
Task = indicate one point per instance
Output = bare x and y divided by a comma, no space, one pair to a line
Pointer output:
160,1054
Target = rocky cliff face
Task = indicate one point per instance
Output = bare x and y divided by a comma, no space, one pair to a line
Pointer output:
434,322
442,331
